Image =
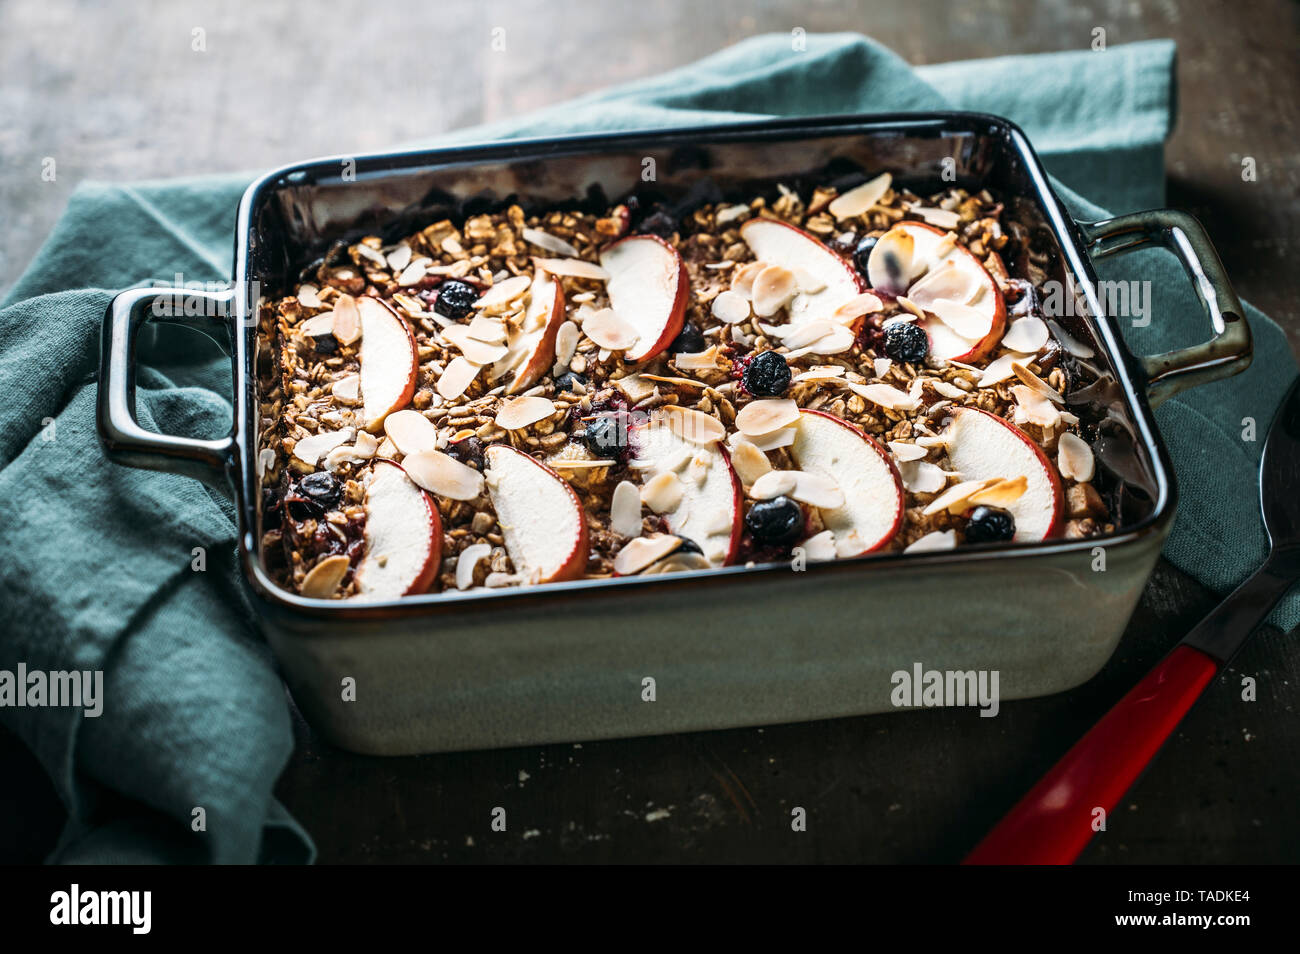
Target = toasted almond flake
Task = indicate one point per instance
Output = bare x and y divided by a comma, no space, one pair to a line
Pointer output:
881,366
347,319
838,341
523,411
322,581
1028,334
820,547
580,464
309,296
807,282
944,245
663,492
922,477
445,476
625,509
317,325
820,373
467,562
1074,458
948,390
885,396
566,343
504,292
742,282
640,553
781,437
955,498
934,541
265,461
679,382
678,562
730,307
903,451
635,387
1003,492
932,440
964,320
412,274
765,415
999,369
1069,343
399,257
547,241
487,329
374,256
572,267
310,449
458,375
861,198
773,287
1037,383
856,307
452,246
697,361
1033,407
749,462
817,490
796,336
411,431
694,426
774,483
730,213
939,218
911,306
947,283
386,449
474,350
608,330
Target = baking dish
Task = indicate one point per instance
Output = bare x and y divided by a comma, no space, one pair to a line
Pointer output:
727,647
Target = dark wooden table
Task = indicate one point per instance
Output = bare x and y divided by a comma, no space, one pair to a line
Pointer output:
117,96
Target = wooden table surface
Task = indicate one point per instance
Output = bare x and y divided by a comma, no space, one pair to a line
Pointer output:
115,95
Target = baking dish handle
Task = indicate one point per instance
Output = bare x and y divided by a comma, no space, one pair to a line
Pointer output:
1229,351
124,440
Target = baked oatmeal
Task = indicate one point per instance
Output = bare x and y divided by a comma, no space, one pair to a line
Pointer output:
517,399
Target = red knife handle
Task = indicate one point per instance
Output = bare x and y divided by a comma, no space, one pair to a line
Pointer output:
1054,822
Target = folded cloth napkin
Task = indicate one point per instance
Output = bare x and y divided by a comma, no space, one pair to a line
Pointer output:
97,566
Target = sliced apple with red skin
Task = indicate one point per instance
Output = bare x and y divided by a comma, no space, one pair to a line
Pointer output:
648,287
983,446
711,510
541,518
779,243
532,352
909,254
403,536
389,362
872,512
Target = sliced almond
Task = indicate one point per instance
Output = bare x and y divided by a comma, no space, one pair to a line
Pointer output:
948,283
503,293
967,322
766,414
1028,334
625,509
948,390
445,476
729,214
742,281
468,561
774,483
573,267
698,361
635,387
922,477
347,388
807,282
311,449
861,198
939,218
730,308
412,274
317,325
773,287
818,491
487,329
797,336
547,241
399,257
781,437
322,581
856,307
1035,408
934,541
309,296
1000,494
608,330
955,498
999,369
694,426
566,343
749,462
1074,458
663,492
820,547
474,350
838,340
411,431
821,373
524,411
881,366
885,396
903,451
1037,383
458,375
347,320
641,552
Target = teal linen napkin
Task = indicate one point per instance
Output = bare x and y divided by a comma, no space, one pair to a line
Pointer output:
96,565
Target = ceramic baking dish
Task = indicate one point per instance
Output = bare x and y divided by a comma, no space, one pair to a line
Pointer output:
728,647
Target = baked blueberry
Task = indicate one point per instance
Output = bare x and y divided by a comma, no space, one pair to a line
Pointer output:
468,451
904,341
776,521
325,344
767,375
658,223
606,437
455,299
862,253
567,380
990,525
321,488
688,546
690,340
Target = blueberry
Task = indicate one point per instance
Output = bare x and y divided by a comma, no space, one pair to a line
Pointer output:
862,253
688,546
659,223
689,340
767,375
455,299
322,489
775,521
606,436
904,341
325,344
989,525
468,451
567,380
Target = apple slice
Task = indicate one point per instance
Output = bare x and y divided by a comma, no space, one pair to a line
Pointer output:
403,536
832,281
982,445
965,312
648,288
873,492
543,522
389,362
711,497
532,347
